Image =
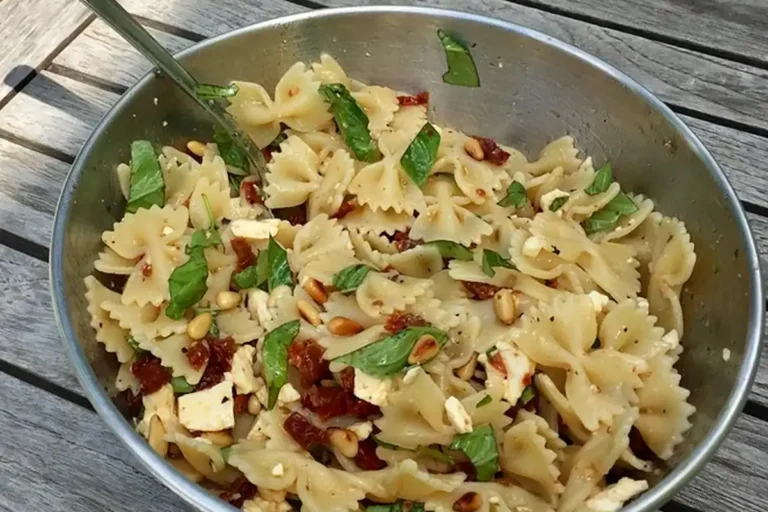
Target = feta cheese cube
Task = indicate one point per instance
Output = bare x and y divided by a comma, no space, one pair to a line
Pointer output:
642,304
167,230
254,229
519,369
258,305
361,429
287,395
242,370
533,246
278,470
458,415
613,497
262,393
411,375
209,410
599,301
546,199
371,389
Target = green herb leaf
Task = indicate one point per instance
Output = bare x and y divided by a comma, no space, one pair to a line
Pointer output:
493,259
389,355
275,357
230,152
398,506
480,446
213,330
187,284
557,203
225,453
426,451
350,278
205,237
622,204
601,220
602,181
421,154
352,122
234,184
461,66
451,250
529,392
181,386
278,269
384,444
147,183
254,276
516,195
213,92
484,401
134,344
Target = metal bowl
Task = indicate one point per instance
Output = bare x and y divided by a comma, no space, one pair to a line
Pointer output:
533,88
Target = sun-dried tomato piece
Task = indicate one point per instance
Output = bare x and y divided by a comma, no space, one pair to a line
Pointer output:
421,98
403,241
498,363
552,283
366,458
197,354
307,357
240,490
245,256
360,408
326,402
219,361
129,403
492,152
241,404
296,215
347,207
400,320
150,372
304,432
466,467
146,270
347,379
480,291
250,190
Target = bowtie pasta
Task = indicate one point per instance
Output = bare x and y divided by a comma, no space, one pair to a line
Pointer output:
431,322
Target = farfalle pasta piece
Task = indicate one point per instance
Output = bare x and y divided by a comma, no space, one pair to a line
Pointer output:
422,261
204,456
337,346
293,174
558,153
367,220
109,262
172,352
627,223
337,174
108,331
282,307
525,455
145,321
217,196
237,324
346,306
126,380
543,265
367,254
321,248
379,295
495,497
329,71
446,218
379,104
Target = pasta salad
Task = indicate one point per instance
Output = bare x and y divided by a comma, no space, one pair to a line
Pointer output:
431,322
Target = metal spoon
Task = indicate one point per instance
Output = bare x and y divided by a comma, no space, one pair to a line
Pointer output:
130,30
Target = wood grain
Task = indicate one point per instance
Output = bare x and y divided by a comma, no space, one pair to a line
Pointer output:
734,27
34,30
55,455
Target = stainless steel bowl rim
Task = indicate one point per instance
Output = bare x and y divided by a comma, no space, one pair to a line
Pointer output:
196,495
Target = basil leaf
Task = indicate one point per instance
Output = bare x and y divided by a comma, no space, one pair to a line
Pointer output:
426,451
421,154
480,446
389,355
187,284
213,92
275,357
181,386
452,250
203,238
461,66
254,276
134,344
234,184
602,180
213,330
384,444
601,220
147,183
484,401
493,259
278,269
230,152
398,506
621,204
516,195
557,203
529,392
352,122
350,278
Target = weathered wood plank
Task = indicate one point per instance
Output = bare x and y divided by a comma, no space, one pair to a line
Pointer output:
735,27
32,31
54,455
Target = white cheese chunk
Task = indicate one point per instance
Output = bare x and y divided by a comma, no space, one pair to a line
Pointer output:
549,197
599,301
671,340
613,497
371,389
161,403
278,470
361,429
458,415
167,230
533,246
254,229
242,370
209,410
726,355
262,393
287,395
519,370
642,304
411,375
258,305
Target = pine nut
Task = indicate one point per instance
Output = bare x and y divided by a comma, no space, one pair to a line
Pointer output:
423,350
254,406
222,438
468,502
309,312
156,436
466,371
343,326
315,289
198,327
228,299
186,469
344,440
196,147
505,305
473,149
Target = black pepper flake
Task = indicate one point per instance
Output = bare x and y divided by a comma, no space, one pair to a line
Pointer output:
625,329
225,400
555,250
552,319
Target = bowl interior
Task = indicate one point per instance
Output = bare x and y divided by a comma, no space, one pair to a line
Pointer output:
532,91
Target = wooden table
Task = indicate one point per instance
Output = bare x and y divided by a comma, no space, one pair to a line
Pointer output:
707,59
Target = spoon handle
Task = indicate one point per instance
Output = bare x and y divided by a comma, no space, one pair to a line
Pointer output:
130,30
